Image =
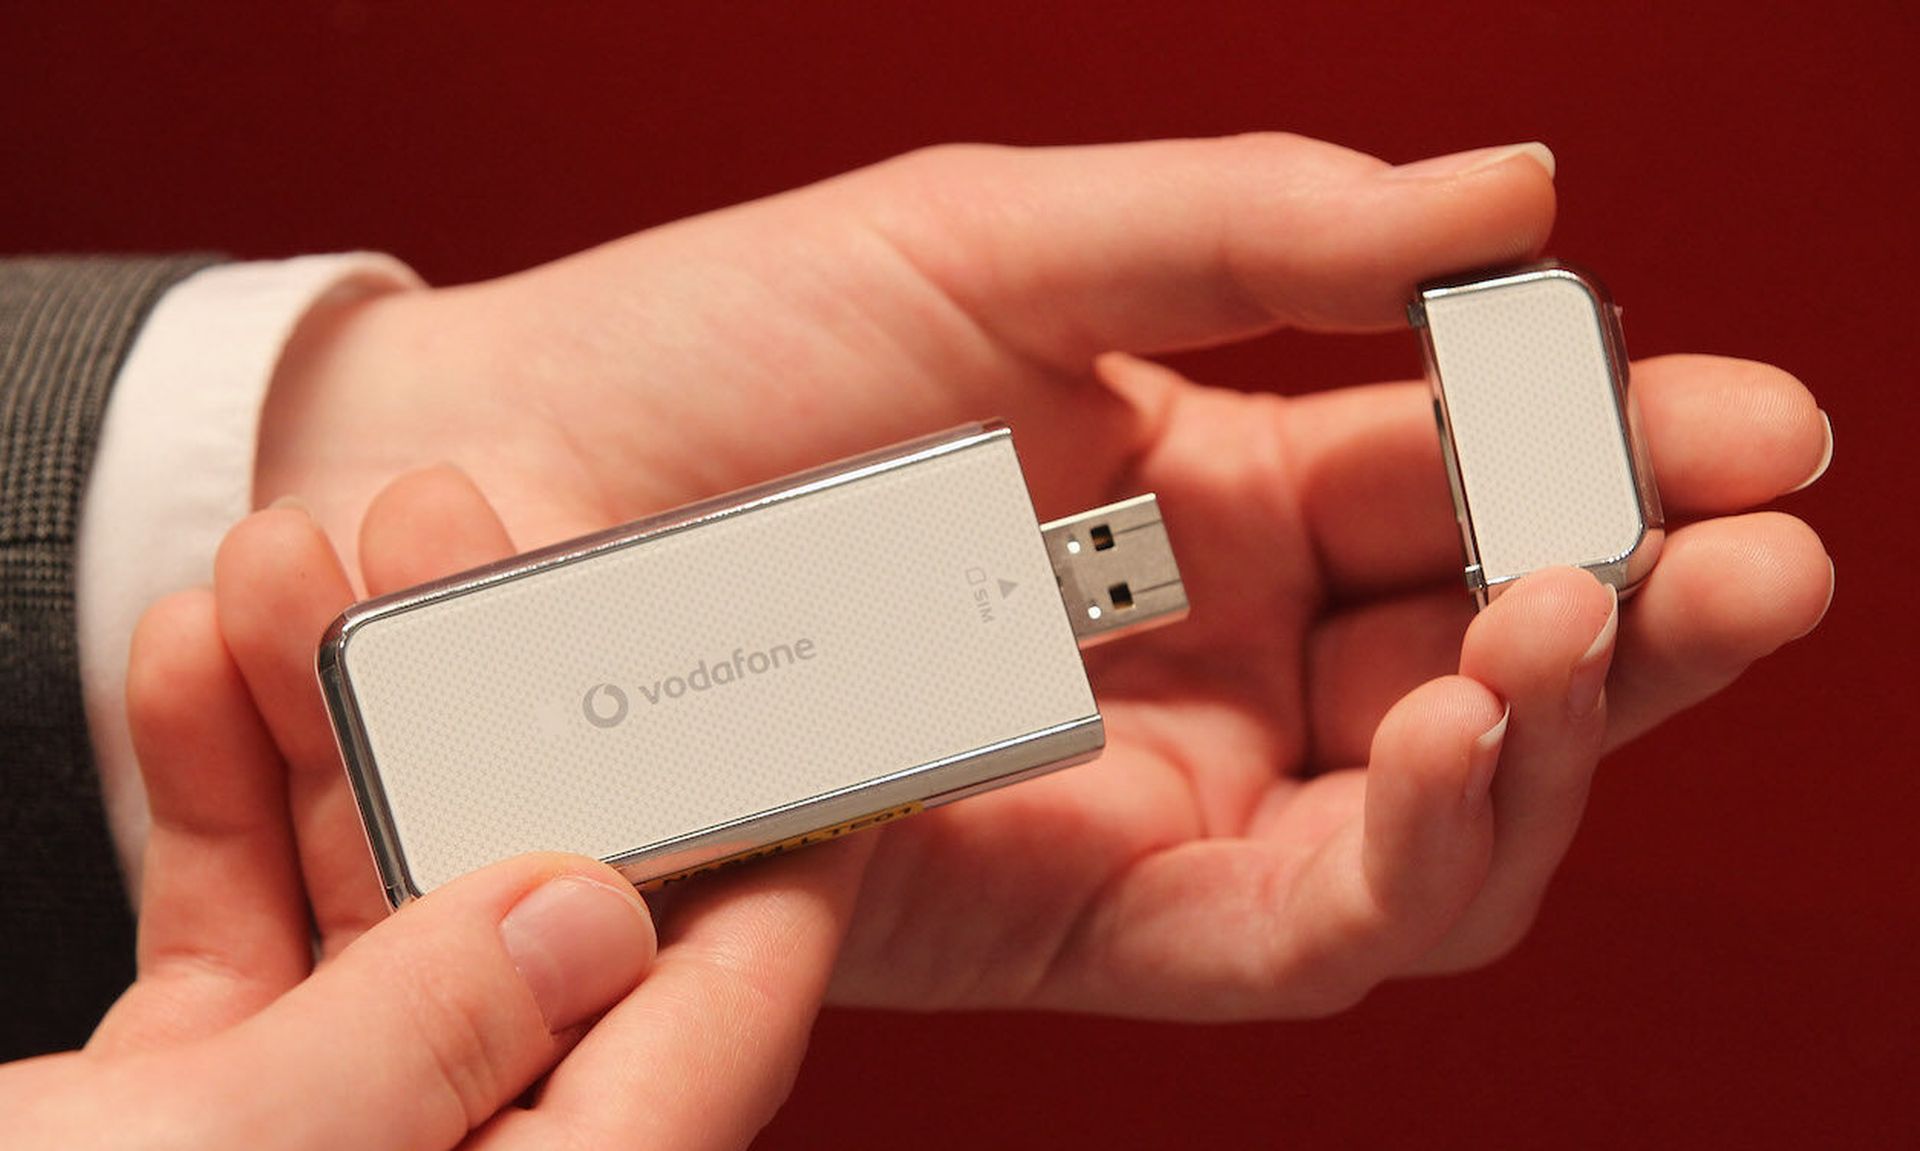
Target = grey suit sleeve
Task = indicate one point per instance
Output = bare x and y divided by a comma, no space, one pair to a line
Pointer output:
66,933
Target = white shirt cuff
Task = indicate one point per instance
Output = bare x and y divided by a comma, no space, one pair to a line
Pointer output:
174,470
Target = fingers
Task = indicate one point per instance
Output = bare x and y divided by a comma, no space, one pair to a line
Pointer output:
1361,661
1725,593
965,280
706,1050
1723,435
279,586
1233,928
1545,646
439,1016
1068,252
1727,434
1428,834
223,924
425,525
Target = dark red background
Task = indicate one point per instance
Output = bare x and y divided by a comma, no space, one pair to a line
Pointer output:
1728,957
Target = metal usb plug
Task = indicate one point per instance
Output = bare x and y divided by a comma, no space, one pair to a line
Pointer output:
1116,569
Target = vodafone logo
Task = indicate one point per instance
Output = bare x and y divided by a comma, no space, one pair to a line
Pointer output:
605,705
609,714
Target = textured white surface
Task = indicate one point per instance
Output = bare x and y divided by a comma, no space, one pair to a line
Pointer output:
1541,446
473,706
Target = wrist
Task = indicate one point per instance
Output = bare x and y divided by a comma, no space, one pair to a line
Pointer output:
343,383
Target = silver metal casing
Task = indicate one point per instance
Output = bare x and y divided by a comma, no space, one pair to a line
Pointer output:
1538,426
729,679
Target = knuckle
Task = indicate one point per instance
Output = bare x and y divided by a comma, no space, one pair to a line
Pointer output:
946,159
1331,998
166,644
468,1047
1284,145
1504,936
1326,972
942,179
744,991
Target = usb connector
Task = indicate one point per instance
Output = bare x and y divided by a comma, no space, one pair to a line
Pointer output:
1116,569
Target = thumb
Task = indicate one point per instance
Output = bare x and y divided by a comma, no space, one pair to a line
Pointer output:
441,1015
1150,247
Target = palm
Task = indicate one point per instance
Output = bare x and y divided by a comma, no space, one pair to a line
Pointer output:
1314,533
1229,680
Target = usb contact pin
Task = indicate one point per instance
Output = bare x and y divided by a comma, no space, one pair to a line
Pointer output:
1116,569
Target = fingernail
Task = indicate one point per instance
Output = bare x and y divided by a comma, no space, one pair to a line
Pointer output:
1833,584
1461,163
1483,758
292,503
1589,679
580,945
1826,457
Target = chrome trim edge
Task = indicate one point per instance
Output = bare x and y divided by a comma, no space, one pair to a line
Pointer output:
349,729
1626,570
938,781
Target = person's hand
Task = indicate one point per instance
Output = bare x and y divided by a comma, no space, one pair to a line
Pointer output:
1227,857
429,1030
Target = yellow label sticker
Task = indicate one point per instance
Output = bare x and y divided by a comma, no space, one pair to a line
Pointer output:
792,843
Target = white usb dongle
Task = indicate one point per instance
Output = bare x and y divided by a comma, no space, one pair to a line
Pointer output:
741,676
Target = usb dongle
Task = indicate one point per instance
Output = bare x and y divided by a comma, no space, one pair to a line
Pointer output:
743,676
